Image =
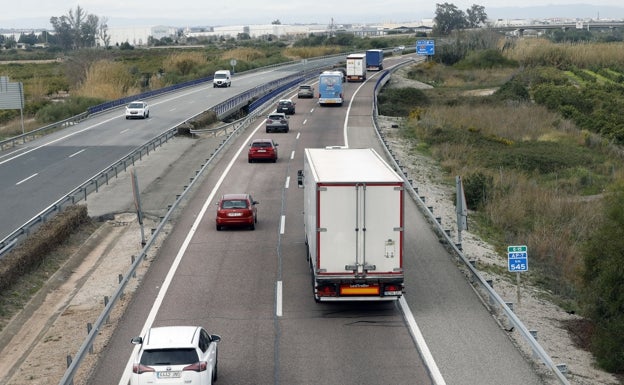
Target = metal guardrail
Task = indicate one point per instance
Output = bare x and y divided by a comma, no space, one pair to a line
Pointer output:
482,285
81,192
23,138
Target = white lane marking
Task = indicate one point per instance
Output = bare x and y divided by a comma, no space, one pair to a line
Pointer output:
278,296
283,224
287,182
298,135
178,259
185,94
292,155
25,179
420,343
76,153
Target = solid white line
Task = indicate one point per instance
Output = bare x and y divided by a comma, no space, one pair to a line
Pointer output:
76,153
287,182
420,343
25,179
282,224
278,297
178,259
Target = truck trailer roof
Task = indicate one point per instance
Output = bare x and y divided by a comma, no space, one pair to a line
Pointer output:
347,165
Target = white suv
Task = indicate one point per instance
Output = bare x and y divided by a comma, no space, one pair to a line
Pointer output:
176,355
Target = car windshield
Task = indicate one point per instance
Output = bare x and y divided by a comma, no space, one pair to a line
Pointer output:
220,76
180,356
304,87
234,204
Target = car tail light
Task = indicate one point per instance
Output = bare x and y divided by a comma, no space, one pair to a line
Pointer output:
197,367
138,369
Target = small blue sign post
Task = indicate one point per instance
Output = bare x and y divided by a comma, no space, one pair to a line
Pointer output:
517,258
425,47
517,262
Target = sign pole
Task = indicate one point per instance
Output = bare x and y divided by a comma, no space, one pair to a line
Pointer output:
518,289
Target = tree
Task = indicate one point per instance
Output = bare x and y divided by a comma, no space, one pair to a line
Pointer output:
448,18
78,29
476,16
103,32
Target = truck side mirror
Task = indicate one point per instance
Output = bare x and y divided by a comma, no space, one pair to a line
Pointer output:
300,178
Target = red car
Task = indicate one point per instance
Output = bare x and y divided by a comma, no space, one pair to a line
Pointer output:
262,149
237,210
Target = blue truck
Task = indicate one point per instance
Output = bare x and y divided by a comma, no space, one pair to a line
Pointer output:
374,59
330,88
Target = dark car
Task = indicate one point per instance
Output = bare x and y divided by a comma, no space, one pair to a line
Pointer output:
305,91
286,106
237,210
262,149
276,122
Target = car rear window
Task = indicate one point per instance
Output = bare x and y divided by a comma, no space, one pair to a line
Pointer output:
169,356
275,117
136,105
234,204
261,144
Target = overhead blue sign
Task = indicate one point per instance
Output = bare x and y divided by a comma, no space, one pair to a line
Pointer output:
517,258
425,47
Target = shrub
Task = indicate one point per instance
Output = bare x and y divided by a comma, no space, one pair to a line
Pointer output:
401,101
31,253
602,277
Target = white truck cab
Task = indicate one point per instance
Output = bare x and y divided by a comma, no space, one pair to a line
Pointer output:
222,78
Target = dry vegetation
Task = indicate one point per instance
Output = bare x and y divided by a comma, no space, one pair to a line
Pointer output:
532,52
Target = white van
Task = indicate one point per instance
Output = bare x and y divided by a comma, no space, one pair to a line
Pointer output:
222,78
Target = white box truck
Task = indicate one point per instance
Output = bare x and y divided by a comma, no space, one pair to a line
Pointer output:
356,67
353,219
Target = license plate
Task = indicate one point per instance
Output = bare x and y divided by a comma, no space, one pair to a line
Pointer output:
235,214
261,150
168,374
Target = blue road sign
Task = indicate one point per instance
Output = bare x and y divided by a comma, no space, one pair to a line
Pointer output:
517,258
425,47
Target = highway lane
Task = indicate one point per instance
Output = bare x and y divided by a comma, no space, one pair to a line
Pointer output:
228,281
36,174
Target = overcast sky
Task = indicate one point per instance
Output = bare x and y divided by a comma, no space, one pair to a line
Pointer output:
37,13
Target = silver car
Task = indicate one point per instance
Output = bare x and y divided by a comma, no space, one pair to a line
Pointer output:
277,122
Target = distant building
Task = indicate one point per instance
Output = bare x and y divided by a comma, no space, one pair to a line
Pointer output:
138,36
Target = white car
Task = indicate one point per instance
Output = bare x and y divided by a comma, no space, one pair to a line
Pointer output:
137,109
176,355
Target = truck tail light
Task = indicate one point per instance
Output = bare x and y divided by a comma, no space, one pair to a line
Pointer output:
326,290
197,367
138,369
393,289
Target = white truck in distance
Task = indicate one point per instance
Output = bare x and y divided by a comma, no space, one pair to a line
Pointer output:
356,67
353,219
